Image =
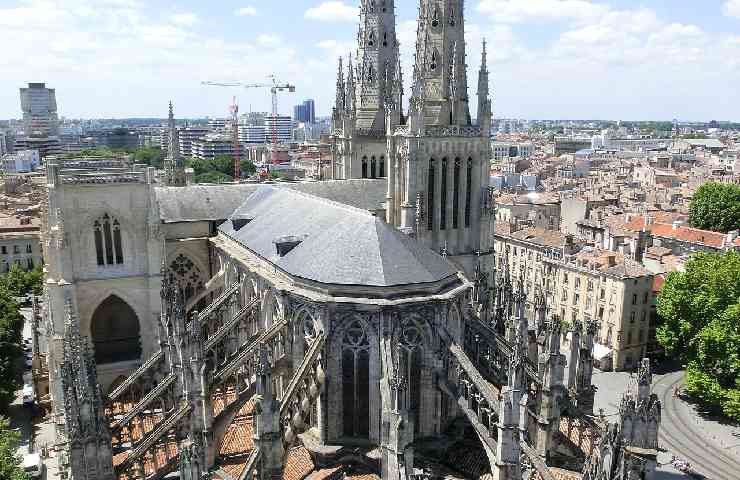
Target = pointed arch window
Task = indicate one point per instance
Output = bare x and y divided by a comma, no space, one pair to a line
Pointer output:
456,195
373,168
410,363
364,167
452,16
430,196
435,17
443,197
356,381
433,61
370,74
381,167
371,38
108,242
468,189
385,37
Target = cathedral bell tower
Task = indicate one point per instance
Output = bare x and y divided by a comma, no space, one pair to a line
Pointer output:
367,95
439,161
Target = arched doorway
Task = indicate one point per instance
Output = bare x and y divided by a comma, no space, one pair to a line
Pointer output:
115,332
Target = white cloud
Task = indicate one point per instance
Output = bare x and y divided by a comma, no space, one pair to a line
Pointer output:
248,11
516,11
184,19
731,8
333,11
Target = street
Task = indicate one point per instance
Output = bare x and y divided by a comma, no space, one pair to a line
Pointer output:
712,448
33,437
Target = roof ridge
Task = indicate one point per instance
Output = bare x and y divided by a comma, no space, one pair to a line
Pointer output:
334,203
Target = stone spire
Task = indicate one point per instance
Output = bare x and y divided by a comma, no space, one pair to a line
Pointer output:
349,97
484,100
341,94
88,436
377,60
440,71
174,165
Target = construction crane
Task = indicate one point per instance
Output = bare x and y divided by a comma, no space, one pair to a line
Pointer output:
275,87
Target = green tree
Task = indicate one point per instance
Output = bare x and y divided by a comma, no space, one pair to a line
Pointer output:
213,177
11,465
149,155
700,309
716,207
11,324
19,282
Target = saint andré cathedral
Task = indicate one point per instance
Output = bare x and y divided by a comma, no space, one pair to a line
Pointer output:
352,328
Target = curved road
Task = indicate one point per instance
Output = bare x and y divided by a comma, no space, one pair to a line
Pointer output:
682,437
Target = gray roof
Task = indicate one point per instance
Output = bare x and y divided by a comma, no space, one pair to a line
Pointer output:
341,244
216,202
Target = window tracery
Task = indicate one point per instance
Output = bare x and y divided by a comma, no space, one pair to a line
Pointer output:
186,275
108,243
356,380
409,364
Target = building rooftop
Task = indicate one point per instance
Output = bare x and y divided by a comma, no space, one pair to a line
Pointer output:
330,242
610,263
217,202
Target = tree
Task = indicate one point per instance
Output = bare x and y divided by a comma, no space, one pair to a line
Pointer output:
11,324
700,309
11,465
716,207
149,155
19,282
213,177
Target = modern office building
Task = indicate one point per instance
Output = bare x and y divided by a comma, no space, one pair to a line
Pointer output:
283,127
39,106
22,161
40,120
211,146
305,112
3,143
187,136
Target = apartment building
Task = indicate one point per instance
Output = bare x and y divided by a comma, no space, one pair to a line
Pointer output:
584,284
19,243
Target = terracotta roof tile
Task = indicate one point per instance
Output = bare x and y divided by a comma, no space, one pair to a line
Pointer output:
298,464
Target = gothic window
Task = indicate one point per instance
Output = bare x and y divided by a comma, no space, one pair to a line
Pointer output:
468,188
443,197
430,196
410,368
385,39
356,381
370,74
452,17
382,167
364,167
373,168
186,275
371,39
456,195
108,245
433,61
435,17
114,328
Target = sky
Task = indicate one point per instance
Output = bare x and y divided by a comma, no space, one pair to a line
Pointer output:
558,59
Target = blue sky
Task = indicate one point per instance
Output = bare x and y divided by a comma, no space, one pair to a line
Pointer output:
611,59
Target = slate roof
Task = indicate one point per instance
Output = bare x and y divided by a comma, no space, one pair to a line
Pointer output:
341,244
216,202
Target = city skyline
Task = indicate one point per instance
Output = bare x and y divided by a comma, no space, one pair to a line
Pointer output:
565,59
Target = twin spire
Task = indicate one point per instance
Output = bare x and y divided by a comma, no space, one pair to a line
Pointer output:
374,86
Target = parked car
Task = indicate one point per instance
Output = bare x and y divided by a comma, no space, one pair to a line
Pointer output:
29,396
32,465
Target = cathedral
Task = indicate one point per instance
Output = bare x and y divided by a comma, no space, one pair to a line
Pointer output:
353,328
